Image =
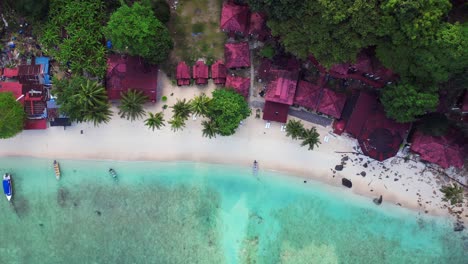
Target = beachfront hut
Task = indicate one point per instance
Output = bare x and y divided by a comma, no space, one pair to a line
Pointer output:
442,150
331,103
237,55
200,73
130,73
183,74
219,72
240,84
280,95
307,95
258,28
234,19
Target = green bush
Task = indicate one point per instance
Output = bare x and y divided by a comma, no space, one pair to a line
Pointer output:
161,9
267,52
164,98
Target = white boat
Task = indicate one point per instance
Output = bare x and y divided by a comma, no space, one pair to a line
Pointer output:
57,170
255,167
7,189
113,173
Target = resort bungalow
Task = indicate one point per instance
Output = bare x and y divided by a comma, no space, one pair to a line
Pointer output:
379,137
258,28
234,19
218,73
237,55
130,73
331,103
443,151
200,73
280,95
307,95
240,84
183,74
35,106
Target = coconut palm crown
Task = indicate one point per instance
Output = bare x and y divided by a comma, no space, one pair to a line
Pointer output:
131,105
155,121
181,109
294,129
199,105
177,123
310,138
209,128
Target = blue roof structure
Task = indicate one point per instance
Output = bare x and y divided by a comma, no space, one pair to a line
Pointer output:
45,62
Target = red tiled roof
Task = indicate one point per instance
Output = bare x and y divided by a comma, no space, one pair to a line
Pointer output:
258,26
183,74
130,72
29,73
277,112
282,88
240,84
365,105
10,72
237,55
440,150
331,103
379,143
200,72
218,72
234,18
340,70
307,95
14,87
31,124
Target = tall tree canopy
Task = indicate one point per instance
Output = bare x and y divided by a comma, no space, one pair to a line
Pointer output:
12,116
136,31
404,102
73,35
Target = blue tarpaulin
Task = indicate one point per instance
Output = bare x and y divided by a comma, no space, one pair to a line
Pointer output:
45,62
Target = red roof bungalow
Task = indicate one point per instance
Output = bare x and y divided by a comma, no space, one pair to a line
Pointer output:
340,70
279,96
183,74
234,18
258,27
440,150
331,103
218,72
241,85
15,88
10,72
237,55
307,95
130,73
29,74
200,73
365,105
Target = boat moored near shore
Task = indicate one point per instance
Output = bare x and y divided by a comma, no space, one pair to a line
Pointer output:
7,189
57,170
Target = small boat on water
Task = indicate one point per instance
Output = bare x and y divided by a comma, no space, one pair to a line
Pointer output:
7,189
57,170
113,173
255,167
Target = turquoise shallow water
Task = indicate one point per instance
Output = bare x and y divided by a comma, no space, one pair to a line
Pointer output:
184,212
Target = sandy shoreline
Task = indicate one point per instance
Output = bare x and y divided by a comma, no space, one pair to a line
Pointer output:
399,182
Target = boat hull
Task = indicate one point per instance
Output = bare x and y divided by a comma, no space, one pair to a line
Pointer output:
7,186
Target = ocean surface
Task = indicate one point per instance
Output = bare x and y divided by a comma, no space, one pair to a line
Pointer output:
186,212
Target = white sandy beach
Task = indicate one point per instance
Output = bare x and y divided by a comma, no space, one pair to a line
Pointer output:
399,182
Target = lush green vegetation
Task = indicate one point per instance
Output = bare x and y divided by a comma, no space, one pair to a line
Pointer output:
73,36
177,123
182,109
161,9
209,128
294,129
199,105
309,137
12,115
155,121
452,193
82,100
226,109
136,31
131,105
35,9
434,124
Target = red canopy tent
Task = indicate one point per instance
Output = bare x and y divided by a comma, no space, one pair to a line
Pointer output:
200,73
237,55
241,85
440,150
307,95
331,103
218,72
234,18
183,74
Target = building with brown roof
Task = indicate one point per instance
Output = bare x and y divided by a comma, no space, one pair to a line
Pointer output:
240,84
280,95
183,74
258,28
130,73
235,19
307,95
200,73
331,103
237,55
219,72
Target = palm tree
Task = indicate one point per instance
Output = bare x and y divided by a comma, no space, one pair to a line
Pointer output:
181,109
452,193
310,138
177,123
294,129
155,121
93,103
210,129
131,105
199,105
